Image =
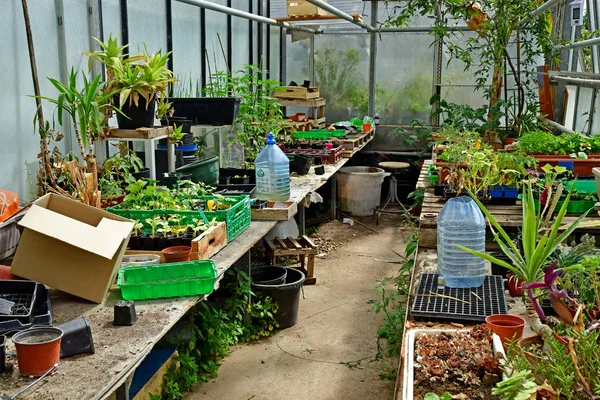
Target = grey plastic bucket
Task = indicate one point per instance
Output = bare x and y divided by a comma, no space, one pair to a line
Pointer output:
359,189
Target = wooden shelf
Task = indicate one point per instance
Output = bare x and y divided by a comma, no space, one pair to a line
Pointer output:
140,133
320,102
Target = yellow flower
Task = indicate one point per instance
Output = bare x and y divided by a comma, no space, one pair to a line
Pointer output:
478,144
210,204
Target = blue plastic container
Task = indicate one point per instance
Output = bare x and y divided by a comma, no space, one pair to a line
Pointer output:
496,191
272,173
461,223
511,192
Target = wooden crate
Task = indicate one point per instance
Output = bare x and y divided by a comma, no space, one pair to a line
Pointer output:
297,92
302,247
210,242
140,133
276,211
303,7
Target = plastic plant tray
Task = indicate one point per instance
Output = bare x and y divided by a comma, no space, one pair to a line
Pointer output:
237,217
158,281
477,303
41,313
327,156
319,134
22,293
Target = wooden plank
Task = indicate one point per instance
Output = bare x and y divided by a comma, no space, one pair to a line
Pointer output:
210,242
140,133
281,243
302,103
276,211
309,242
154,385
294,243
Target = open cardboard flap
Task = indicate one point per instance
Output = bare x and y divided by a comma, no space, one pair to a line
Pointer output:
103,240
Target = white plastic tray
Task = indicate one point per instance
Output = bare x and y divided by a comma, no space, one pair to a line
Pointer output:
409,356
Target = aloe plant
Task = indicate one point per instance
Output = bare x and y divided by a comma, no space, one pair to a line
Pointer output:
540,239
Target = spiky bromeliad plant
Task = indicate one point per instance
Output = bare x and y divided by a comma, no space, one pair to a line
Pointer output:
540,237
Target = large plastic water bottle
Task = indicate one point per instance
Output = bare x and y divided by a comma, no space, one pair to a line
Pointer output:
461,222
272,173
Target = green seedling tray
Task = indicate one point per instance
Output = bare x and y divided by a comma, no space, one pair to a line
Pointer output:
319,134
193,278
583,185
237,217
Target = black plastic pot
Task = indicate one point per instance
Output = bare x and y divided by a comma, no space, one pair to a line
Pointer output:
138,115
186,240
286,295
438,189
239,181
124,313
320,170
301,164
207,110
161,242
145,173
147,243
226,174
186,124
77,338
135,243
268,275
2,354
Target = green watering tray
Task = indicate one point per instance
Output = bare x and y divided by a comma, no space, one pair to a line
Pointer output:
319,134
193,278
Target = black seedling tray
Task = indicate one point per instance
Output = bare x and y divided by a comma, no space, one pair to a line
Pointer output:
236,190
41,312
491,300
22,293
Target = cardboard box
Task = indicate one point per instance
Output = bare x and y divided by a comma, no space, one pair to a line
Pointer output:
71,246
298,8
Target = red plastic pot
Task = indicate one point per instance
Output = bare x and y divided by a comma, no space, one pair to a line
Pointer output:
507,141
507,327
514,285
177,254
6,275
366,128
38,349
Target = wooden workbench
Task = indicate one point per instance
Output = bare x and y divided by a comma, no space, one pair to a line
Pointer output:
510,217
119,350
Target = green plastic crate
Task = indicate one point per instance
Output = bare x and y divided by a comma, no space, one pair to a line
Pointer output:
237,217
583,185
319,134
192,278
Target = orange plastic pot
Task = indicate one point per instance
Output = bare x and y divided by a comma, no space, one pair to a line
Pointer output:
366,128
177,254
507,327
6,275
514,285
38,349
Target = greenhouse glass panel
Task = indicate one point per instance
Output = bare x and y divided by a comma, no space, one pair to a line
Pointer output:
111,18
216,27
583,117
187,51
275,53
240,44
342,73
147,25
403,84
77,34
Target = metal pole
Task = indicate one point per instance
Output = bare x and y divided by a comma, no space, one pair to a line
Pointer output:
579,82
341,14
582,43
372,60
424,29
558,126
547,5
243,14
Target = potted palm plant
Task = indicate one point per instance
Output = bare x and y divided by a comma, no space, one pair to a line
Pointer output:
139,82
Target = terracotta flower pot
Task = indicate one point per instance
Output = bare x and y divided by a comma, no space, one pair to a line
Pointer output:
514,285
508,327
507,141
177,254
38,349
526,343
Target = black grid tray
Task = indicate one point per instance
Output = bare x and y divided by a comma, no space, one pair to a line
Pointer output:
40,316
22,293
426,305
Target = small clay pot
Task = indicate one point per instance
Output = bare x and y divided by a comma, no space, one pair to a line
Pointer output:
508,327
177,254
507,141
524,343
514,285
38,349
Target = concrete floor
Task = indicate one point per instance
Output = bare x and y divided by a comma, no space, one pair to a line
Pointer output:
334,327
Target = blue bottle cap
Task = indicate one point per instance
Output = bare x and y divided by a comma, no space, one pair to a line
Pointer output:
271,139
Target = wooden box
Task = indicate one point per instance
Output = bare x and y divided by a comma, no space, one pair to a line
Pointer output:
297,92
297,8
139,133
276,211
210,242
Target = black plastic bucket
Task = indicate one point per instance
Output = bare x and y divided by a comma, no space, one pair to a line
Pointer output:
287,296
268,275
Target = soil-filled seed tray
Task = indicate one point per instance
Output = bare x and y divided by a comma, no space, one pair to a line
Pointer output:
466,304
